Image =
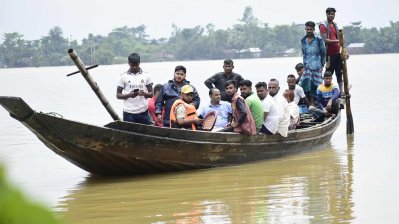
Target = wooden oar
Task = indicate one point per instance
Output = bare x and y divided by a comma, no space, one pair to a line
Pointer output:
349,119
83,70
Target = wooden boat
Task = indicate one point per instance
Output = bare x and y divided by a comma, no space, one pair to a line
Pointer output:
122,148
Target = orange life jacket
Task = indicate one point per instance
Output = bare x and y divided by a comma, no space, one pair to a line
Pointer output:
191,113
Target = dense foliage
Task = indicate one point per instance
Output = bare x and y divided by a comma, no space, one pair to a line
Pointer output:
184,43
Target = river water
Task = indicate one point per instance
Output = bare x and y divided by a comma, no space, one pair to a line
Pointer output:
353,179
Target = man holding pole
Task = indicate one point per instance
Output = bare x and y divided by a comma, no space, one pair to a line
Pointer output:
329,33
134,87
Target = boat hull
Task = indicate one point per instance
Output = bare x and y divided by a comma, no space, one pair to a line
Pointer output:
124,148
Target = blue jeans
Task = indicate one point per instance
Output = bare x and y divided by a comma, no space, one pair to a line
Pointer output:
141,118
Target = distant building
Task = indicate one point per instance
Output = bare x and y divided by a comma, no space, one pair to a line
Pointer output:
252,52
290,52
356,48
164,56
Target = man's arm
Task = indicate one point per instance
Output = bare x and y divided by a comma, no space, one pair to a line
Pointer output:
196,99
335,94
148,94
181,118
323,34
121,96
159,102
243,112
320,100
209,82
305,99
323,52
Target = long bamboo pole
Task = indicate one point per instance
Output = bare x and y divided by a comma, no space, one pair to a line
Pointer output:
349,119
82,68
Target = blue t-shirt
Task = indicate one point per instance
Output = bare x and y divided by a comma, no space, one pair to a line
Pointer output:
222,111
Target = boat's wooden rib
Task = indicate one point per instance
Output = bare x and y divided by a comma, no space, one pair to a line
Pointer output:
129,148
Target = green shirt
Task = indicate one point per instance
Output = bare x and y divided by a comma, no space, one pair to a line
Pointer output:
256,108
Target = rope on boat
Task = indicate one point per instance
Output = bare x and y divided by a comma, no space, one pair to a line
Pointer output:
55,114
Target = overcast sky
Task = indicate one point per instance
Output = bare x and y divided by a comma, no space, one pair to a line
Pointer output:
78,18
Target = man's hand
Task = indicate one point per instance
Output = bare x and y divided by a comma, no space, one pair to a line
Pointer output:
197,120
132,94
159,118
328,107
234,124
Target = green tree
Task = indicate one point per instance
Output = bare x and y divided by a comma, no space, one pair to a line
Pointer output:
14,51
54,46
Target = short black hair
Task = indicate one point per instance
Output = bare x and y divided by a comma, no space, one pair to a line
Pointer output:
229,82
261,84
211,91
310,23
298,66
157,88
274,80
228,61
134,58
329,9
180,67
328,73
291,76
246,82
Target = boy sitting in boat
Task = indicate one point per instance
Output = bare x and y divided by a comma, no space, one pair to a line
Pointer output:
327,98
242,122
183,113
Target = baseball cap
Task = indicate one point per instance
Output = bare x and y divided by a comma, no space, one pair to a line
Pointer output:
187,89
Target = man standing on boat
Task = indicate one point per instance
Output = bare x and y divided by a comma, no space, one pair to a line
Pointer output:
314,58
170,93
222,109
219,79
282,106
329,33
134,87
242,122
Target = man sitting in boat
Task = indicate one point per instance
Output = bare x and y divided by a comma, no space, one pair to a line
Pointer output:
170,93
134,87
292,108
242,122
222,108
327,98
183,114
299,95
282,105
270,110
253,101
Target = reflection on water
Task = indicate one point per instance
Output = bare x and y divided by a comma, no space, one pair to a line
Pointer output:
336,184
310,187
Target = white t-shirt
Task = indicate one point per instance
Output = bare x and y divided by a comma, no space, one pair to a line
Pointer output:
284,114
294,112
298,94
129,81
272,119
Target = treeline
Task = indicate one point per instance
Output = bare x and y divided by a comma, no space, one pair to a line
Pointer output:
248,38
